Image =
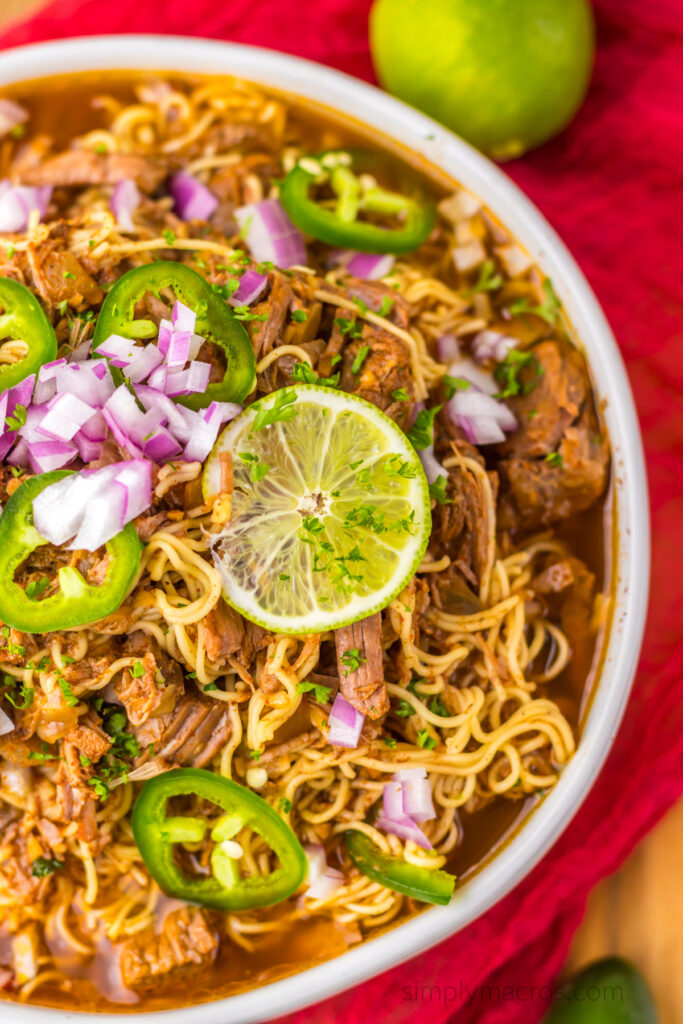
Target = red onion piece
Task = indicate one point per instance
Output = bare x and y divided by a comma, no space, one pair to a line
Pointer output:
46,456
345,724
125,200
188,382
466,369
416,793
11,115
193,201
404,828
161,445
119,351
491,345
146,359
18,201
183,318
431,465
206,425
106,516
321,880
178,351
270,234
6,723
473,404
250,287
369,266
65,417
19,454
88,450
448,348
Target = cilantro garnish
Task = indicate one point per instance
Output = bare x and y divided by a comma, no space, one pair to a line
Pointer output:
453,384
404,709
396,466
322,693
305,374
69,697
425,740
361,356
352,660
43,866
488,280
18,417
438,490
507,373
137,670
257,469
385,306
400,395
300,316
281,410
554,458
437,707
285,805
420,434
548,309
348,327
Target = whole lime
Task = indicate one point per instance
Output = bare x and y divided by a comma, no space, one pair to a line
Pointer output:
504,74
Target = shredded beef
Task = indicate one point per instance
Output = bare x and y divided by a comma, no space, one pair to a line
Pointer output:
385,369
82,167
65,279
186,943
363,687
190,735
148,694
224,631
555,465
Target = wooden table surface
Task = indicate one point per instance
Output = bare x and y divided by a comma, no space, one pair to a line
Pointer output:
638,912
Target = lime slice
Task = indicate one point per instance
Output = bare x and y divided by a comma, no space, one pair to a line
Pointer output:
330,511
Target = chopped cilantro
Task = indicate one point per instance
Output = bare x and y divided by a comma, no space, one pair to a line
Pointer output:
255,755
425,740
400,395
348,327
302,373
385,306
285,805
322,693
169,236
361,356
507,373
43,754
283,576
437,707
209,688
404,709
554,458
300,316
453,384
281,410
18,417
10,251
70,698
257,469
43,866
137,670
488,280
548,309
352,660
420,434
396,466
438,490
390,742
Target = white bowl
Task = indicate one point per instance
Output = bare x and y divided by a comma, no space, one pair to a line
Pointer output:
393,119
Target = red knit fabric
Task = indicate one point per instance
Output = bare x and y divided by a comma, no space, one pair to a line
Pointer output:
612,186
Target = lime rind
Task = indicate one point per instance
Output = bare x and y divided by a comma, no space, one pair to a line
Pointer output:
336,527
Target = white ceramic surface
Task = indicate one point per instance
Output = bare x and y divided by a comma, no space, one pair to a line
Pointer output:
457,159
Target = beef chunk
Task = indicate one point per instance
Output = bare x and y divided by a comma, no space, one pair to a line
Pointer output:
81,167
224,631
363,687
147,694
386,368
66,280
555,464
190,735
186,944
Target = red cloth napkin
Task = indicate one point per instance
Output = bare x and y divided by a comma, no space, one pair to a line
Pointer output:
612,186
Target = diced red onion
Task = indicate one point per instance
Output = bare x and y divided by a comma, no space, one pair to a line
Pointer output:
206,425
193,201
321,880
18,201
491,345
125,200
21,394
146,359
404,828
94,429
472,404
188,382
89,380
94,505
19,454
345,724
250,287
11,115
45,456
431,465
119,351
182,317
466,369
172,415
178,351
417,793
447,348
30,430
88,450
46,383
369,266
270,234
6,723
161,445
65,417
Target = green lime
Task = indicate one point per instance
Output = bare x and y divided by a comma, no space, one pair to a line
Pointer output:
504,74
330,510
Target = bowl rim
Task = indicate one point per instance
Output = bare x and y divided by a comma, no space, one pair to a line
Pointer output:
367,104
